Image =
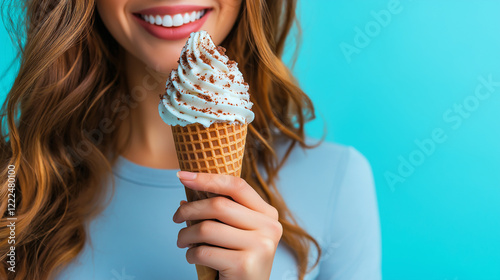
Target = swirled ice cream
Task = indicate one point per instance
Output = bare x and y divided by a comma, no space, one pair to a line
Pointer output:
206,87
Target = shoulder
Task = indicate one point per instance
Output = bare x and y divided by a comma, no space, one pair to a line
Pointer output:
315,180
331,161
331,192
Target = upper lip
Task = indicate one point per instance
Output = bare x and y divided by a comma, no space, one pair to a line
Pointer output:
171,10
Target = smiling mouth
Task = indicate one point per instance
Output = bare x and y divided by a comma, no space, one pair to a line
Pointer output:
176,20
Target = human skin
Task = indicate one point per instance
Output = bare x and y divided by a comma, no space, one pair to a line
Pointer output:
249,231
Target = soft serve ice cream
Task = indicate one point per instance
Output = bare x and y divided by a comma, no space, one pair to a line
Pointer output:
206,87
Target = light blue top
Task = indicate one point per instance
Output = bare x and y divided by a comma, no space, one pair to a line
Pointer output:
329,189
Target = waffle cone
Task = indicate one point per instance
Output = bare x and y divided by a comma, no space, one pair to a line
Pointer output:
216,149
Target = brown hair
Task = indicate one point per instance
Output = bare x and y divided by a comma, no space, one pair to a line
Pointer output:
69,89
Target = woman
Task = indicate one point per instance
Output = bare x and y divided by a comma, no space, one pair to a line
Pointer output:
86,98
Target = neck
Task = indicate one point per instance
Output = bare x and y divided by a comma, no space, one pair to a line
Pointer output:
150,143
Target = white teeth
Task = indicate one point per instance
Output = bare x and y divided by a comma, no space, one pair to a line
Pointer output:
178,20
175,20
167,21
187,18
158,20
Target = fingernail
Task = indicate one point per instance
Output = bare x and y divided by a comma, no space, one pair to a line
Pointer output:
184,175
175,217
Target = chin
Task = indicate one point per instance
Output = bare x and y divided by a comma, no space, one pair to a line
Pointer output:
162,56
162,62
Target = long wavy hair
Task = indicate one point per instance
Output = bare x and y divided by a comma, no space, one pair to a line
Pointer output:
70,82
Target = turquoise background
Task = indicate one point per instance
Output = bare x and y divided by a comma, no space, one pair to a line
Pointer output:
441,220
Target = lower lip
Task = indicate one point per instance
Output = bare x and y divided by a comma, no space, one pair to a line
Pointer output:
173,33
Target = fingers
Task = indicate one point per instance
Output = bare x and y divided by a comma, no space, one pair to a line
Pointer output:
228,185
213,233
213,257
238,261
222,209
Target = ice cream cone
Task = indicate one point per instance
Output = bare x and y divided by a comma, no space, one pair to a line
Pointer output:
216,149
